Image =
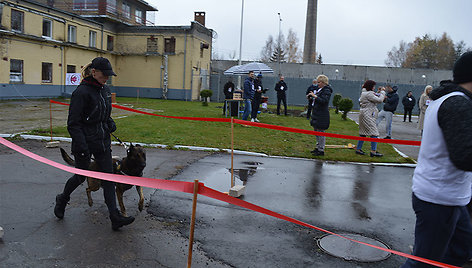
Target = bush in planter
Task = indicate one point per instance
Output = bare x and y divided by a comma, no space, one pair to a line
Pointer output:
345,105
336,99
205,94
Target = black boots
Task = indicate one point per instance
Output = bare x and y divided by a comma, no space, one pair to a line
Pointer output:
61,203
118,220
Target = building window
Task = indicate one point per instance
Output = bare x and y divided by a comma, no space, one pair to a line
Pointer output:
85,5
70,69
126,10
46,76
93,39
16,71
109,43
152,45
72,34
139,16
47,28
111,6
169,45
17,22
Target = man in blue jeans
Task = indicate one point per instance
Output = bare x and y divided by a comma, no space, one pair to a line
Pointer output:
391,103
248,94
442,180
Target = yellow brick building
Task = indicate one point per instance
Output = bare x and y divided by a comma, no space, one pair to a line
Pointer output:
42,41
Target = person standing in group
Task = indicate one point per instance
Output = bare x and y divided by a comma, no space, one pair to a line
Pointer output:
408,102
89,125
320,115
257,97
368,115
248,94
391,103
442,180
281,88
423,105
228,90
312,88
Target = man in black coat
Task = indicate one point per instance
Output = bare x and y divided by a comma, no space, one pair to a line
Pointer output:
320,114
281,88
257,97
228,90
408,103
312,88
391,103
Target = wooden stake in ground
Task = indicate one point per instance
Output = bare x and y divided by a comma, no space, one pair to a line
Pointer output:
51,144
232,145
192,224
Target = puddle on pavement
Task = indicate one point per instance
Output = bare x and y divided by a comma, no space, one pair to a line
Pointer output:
221,179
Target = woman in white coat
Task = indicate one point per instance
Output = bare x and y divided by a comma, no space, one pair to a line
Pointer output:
368,116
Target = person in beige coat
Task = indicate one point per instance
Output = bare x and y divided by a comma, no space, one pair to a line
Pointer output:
368,116
423,104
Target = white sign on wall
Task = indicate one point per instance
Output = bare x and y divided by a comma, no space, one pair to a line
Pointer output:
73,79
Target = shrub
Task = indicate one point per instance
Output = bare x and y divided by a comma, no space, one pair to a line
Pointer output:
205,94
336,99
345,105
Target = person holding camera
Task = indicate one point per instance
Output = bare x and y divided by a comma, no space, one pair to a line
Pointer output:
320,115
312,88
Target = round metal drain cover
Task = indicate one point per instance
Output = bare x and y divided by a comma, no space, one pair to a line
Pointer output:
351,251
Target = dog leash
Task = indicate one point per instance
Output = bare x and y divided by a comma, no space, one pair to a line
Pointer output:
118,139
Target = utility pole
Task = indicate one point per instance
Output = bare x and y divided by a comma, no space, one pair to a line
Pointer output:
241,41
279,41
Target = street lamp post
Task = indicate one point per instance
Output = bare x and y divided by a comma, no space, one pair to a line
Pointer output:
337,71
424,78
241,41
279,41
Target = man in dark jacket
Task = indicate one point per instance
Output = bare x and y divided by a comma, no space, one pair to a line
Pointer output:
258,87
89,125
408,104
442,179
391,103
248,94
281,88
320,114
228,90
312,88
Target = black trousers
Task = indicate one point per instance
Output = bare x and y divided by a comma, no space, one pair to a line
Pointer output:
105,164
407,111
283,98
442,233
310,107
255,106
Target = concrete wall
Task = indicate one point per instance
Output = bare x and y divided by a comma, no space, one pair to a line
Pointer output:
347,81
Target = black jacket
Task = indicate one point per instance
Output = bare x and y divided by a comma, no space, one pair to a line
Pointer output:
455,121
391,101
311,88
227,86
89,122
407,103
257,84
320,114
279,89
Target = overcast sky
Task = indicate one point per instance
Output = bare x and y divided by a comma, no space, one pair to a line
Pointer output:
359,32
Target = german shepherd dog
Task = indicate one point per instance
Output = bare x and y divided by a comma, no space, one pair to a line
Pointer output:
132,165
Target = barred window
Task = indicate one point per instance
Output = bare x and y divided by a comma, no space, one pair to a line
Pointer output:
169,45
17,21
16,71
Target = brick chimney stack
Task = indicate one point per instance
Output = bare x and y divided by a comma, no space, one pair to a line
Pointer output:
200,17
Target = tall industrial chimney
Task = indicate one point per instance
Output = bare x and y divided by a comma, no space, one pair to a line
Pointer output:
309,50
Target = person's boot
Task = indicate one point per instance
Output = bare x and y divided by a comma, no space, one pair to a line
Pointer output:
118,220
61,203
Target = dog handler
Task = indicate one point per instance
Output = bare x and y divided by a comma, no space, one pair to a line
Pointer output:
89,124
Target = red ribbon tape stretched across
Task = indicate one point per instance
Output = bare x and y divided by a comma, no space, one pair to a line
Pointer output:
187,187
268,126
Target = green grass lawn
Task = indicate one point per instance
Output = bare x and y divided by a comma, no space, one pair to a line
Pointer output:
152,129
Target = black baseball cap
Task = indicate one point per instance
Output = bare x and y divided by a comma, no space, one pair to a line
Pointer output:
104,65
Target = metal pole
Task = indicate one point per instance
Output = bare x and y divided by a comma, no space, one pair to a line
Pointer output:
192,223
241,41
279,41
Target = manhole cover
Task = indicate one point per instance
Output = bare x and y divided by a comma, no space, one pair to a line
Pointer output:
351,251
